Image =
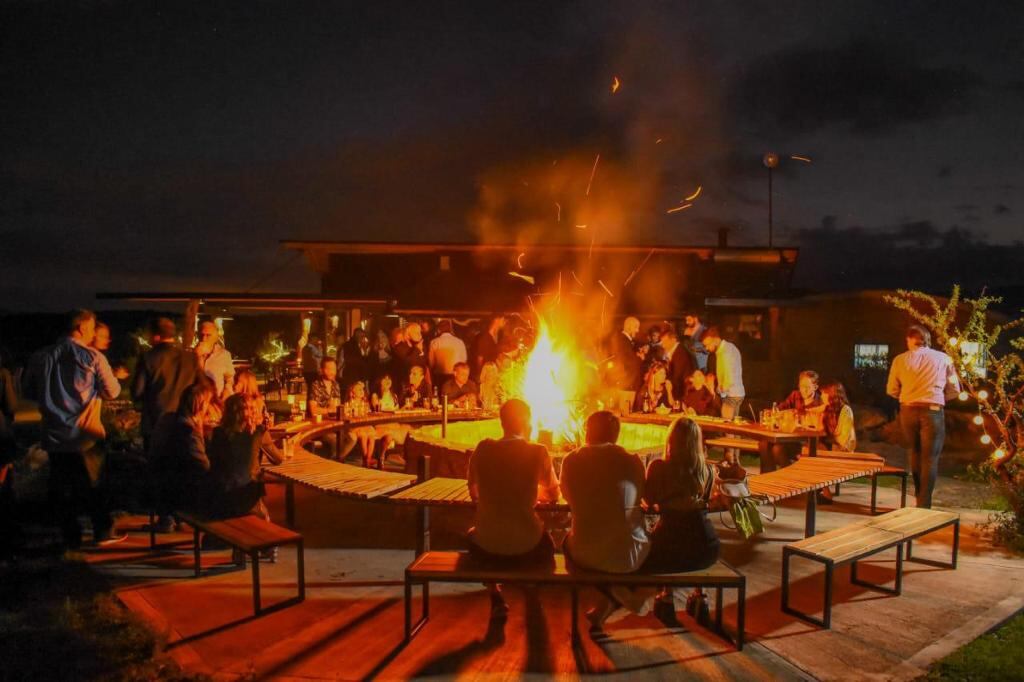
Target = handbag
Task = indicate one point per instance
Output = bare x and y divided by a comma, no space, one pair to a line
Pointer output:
743,507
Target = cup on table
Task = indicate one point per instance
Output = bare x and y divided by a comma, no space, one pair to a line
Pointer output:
289,448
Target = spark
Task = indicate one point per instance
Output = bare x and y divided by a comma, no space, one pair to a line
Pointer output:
592,172
519,260
525,278
590,253
695,194
679,208
603,301
559,207
582,227
559,296
800,158
637,269
615,84
606,289
658,141
573,273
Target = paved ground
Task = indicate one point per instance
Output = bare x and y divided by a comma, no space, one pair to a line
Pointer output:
350,625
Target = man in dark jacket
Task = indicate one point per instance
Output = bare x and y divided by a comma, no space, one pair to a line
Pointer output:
681,362
624,363
162,375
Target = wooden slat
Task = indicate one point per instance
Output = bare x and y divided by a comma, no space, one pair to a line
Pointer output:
248,533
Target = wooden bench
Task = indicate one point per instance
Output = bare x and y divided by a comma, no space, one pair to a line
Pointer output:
886,470
460,567
850,544
744,444
249,534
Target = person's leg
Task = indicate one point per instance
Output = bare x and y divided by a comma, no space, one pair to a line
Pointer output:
61,494
912,436
933,433
97,495
731,408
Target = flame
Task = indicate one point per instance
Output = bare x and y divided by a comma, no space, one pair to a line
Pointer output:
550,381
615,84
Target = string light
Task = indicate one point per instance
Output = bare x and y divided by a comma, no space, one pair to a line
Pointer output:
982,394
953,341
986,439
979,420
999,453
963,395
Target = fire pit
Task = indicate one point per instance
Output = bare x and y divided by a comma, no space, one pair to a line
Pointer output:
449,457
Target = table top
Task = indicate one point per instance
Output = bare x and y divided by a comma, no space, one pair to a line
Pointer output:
737,428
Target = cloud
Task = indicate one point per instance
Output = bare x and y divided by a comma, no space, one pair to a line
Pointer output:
868,86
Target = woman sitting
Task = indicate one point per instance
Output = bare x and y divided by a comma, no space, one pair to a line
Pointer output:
178,448
235,484
700,396
656,391
678,488
837,421
364,435
385,399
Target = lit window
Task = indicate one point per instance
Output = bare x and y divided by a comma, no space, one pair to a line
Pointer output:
975,357
870,355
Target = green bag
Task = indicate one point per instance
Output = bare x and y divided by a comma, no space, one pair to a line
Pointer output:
746,516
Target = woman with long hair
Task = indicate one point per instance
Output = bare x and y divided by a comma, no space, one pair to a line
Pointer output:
490,386
385,399
837,421
181,465
656,390
678,488
365,435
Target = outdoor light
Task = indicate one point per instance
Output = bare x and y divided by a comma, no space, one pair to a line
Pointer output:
953,341
999,453
982,394
963,395
978,420
986,439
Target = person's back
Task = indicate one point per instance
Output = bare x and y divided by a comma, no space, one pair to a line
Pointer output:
920,376
603,485
234,457
506,474
164,373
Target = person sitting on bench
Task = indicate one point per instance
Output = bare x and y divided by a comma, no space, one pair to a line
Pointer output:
179,451
506,478
235,485
678,488
604,485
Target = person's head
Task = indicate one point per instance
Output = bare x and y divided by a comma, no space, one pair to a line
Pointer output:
834,394
496,323
81,325
328,369
413,333
101,341
241,413
362,339
691,320
385,383
461,372
246,383
488,373
396,336
631,327
657,373
315,341
697,379
416,375
807,384
654,334
712,339
425,326
684,454
208,334
444,327
918,337
515,418
163,330
602,428
357,391
669,337
195,400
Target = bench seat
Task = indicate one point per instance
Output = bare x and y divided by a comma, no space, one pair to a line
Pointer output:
734,442
460,567
860,540
250,535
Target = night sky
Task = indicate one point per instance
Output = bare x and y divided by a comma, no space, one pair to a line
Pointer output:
170,149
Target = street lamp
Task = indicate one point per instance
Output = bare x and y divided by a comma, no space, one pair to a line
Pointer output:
770,160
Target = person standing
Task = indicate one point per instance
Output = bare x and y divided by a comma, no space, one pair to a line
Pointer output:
68,381
446,351
358,360
694,332
625,363
162,375
728,377
922,379
486,344
215,360
680,362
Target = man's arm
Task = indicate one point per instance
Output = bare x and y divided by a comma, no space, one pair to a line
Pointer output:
892,386
107,386
952,388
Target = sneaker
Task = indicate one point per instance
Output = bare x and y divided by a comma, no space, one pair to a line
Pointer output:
108,540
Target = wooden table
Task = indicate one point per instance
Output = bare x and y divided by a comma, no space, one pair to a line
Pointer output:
764,436
806,477
333,478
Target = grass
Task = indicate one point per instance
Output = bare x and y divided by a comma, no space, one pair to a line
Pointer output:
60,620
998,655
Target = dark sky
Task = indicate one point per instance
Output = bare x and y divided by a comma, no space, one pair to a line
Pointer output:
150,146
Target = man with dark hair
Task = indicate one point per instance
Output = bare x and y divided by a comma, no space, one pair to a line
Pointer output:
485,347
461,391
358,361
68,381
680,362
728,378
506,479
694,330
922,379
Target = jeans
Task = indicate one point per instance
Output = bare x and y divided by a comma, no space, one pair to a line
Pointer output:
730,409
75,488
924,429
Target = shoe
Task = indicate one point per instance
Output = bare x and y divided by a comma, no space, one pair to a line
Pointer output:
108,540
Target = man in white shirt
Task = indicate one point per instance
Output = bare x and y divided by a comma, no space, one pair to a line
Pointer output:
215,360
922,379
506,479
445,352
728,375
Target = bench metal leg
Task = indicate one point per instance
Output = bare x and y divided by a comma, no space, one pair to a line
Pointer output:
874,494
411,629
826,620
255,556
574,611
810,514
827,614
289,504
896,590
785,579
741,614
300,559
929,562
956,542
195,548
837,489
903,490
152,529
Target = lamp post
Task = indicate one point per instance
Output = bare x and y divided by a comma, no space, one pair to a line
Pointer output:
770,160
